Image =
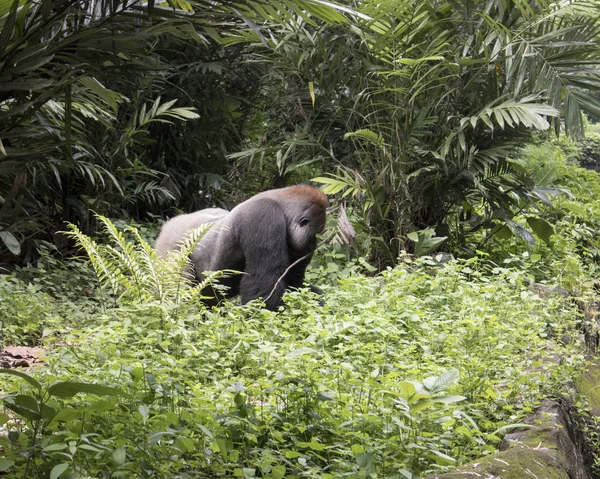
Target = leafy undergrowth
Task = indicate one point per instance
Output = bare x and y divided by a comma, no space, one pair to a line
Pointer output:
398,375
36,302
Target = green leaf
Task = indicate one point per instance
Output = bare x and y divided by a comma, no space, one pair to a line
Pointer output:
225,446
442,458
510,427
440,383
68,389
58,470
311,91
300,352
144,411
367,136
4,418
278,472
155,436
519,229
451,399
324,396
55,447
7,29
334,185
26,377
421,405
5,465
364,460
546,176
185,444
66,414
103,405
407,389
357,449
502,232
28,84
541,228
182,113
425,241
576,208
11,242
292,454
24,405
120,455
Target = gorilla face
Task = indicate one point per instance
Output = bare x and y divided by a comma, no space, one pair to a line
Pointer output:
305,222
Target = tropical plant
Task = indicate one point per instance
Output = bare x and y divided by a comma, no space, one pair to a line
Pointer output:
403,374
424,104
76,81
135,273
55,103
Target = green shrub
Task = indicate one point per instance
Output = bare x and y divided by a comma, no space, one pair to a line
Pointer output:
25,312
404,373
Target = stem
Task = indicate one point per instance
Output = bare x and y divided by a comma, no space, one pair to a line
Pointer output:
33,441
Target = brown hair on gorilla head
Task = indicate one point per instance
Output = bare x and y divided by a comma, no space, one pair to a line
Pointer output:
308,192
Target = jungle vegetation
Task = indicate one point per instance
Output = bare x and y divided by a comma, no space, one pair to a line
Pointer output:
449,136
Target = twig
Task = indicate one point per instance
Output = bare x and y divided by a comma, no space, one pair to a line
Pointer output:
294,264
283,275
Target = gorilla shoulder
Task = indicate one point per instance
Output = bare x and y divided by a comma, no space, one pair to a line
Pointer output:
175,229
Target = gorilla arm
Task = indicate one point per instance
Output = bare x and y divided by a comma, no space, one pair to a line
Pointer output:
265,247
296,275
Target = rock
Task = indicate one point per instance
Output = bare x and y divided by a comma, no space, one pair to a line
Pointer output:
548,450
19,356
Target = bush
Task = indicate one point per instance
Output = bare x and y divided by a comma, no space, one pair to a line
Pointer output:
407,372
25,312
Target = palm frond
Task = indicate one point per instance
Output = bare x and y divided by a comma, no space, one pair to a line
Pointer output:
526,111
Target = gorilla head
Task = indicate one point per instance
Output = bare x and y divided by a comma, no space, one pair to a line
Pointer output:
261,237
304,210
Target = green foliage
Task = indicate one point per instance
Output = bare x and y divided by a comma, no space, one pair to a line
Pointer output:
68,141
331,264
39,302
137,274
589,147
568,251
84,126
39,407
426,242
413,370
25,311
420,107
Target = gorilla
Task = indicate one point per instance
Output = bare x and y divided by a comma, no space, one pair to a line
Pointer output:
261,237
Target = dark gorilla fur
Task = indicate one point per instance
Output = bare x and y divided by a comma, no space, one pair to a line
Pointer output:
262,237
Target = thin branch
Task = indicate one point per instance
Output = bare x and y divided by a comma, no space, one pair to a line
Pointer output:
283,275
280,279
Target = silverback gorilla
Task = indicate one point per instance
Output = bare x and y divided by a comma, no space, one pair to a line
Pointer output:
261,237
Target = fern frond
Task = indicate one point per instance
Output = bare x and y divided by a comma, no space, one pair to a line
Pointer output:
105,270
137,273
209,278
126,255
152,264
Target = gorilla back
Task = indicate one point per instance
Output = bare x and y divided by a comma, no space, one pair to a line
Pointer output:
261,237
